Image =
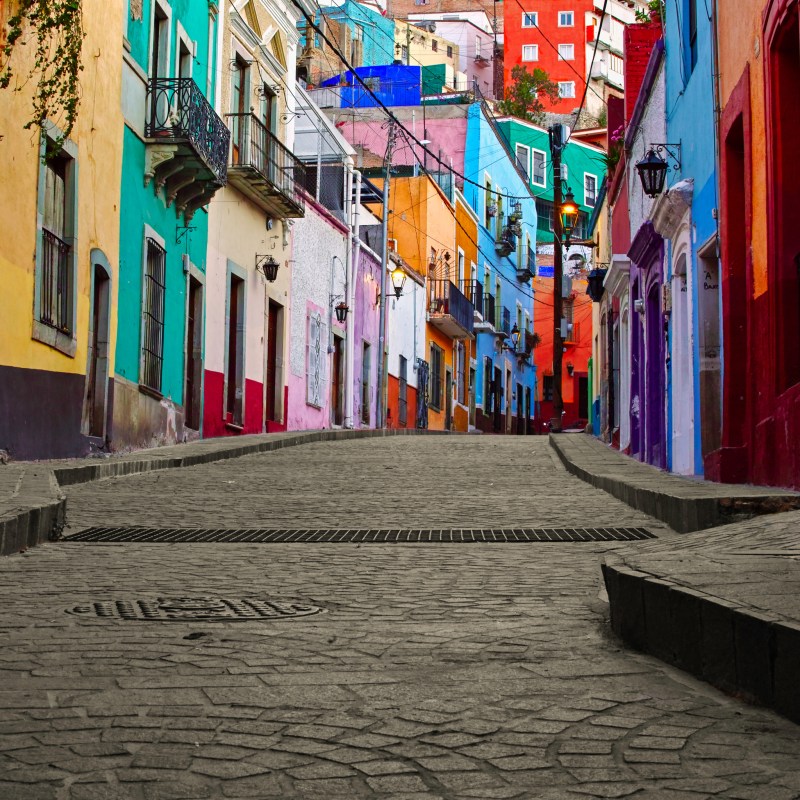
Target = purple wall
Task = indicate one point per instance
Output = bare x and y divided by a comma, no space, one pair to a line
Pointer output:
648,381
365,322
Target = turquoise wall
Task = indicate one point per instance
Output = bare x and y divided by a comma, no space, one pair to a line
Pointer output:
140,206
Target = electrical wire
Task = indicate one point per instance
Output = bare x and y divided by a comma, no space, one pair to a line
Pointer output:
390,114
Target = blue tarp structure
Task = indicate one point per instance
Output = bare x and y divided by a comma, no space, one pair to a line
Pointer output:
394,85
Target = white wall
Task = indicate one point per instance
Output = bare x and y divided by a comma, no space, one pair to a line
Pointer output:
405,338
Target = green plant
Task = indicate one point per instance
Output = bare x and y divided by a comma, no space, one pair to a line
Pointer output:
523,98
654,8
57,26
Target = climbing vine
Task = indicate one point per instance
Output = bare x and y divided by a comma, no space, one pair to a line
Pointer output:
57,27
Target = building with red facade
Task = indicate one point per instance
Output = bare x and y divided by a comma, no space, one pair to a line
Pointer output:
570,41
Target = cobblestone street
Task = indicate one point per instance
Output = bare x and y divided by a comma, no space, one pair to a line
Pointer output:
431,671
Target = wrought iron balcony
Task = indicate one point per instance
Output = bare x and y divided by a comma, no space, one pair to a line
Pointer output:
475,296
264,169
487,321
449,310
188,143
527,268
507,243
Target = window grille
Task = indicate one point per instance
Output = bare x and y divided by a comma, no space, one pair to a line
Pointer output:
153,312
402,414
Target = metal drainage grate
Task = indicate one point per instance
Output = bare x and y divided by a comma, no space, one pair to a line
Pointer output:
391,536
195,609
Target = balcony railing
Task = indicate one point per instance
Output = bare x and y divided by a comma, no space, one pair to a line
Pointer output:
488,308
262,162
449,309
505,322
178,111
56,290
475,295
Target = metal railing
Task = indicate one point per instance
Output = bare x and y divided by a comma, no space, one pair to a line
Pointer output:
505,322
488,308
444,297
474,293
177,111
55,306
255,146
153,315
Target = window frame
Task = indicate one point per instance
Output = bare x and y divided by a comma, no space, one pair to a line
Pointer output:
527,166
561,56
570,24
436,380
587,176
544,167
64,341
566,96
535,53
526,15
150,233
240,274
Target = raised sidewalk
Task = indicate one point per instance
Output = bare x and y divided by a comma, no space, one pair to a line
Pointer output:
32,507
722,604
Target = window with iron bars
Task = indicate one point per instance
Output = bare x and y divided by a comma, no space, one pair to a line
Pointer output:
153,314
437,378
402,402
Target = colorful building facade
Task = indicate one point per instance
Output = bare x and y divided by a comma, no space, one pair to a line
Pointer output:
169,172
246,330
59,256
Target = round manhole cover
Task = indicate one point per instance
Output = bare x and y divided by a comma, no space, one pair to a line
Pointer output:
194,609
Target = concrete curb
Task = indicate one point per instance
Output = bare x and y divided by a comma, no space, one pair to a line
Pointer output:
734,647
38,511
692,512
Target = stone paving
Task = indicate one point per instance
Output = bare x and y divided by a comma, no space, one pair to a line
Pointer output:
435,671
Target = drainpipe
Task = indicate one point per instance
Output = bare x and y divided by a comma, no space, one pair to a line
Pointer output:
353,252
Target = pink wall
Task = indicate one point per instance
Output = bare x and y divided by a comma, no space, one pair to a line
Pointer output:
447,135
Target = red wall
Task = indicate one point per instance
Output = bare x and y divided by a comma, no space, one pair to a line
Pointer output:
516,36
213,417
638,44
577,354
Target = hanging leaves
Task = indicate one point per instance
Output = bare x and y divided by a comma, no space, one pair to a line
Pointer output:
56,27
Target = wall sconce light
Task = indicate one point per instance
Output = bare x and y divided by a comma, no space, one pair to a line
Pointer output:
569,215
653,167
341,310
269,266
570,368
398,281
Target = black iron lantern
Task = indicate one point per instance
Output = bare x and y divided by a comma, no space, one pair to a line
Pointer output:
398,281
515,336
595,284
269,266
569,214
518,209
652,171
341,310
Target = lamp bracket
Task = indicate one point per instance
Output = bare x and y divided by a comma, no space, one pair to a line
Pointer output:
667,151
182,231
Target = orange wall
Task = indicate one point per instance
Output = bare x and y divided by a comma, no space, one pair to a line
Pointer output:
740,46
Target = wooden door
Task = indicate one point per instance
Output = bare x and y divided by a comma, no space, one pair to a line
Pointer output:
270,407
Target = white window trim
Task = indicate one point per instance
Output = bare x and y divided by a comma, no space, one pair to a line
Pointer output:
191,46
534,14
594,178
166,9
563,57
487,178
535,52
544,157
566,96
233,268
572,17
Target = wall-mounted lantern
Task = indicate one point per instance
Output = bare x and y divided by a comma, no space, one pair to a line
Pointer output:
595,284
269,266
398,277
341,310
653,167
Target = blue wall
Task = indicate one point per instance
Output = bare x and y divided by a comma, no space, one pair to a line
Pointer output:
393,85
690,121
485,154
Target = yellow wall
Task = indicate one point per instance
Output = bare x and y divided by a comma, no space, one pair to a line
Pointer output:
420,51
98,137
